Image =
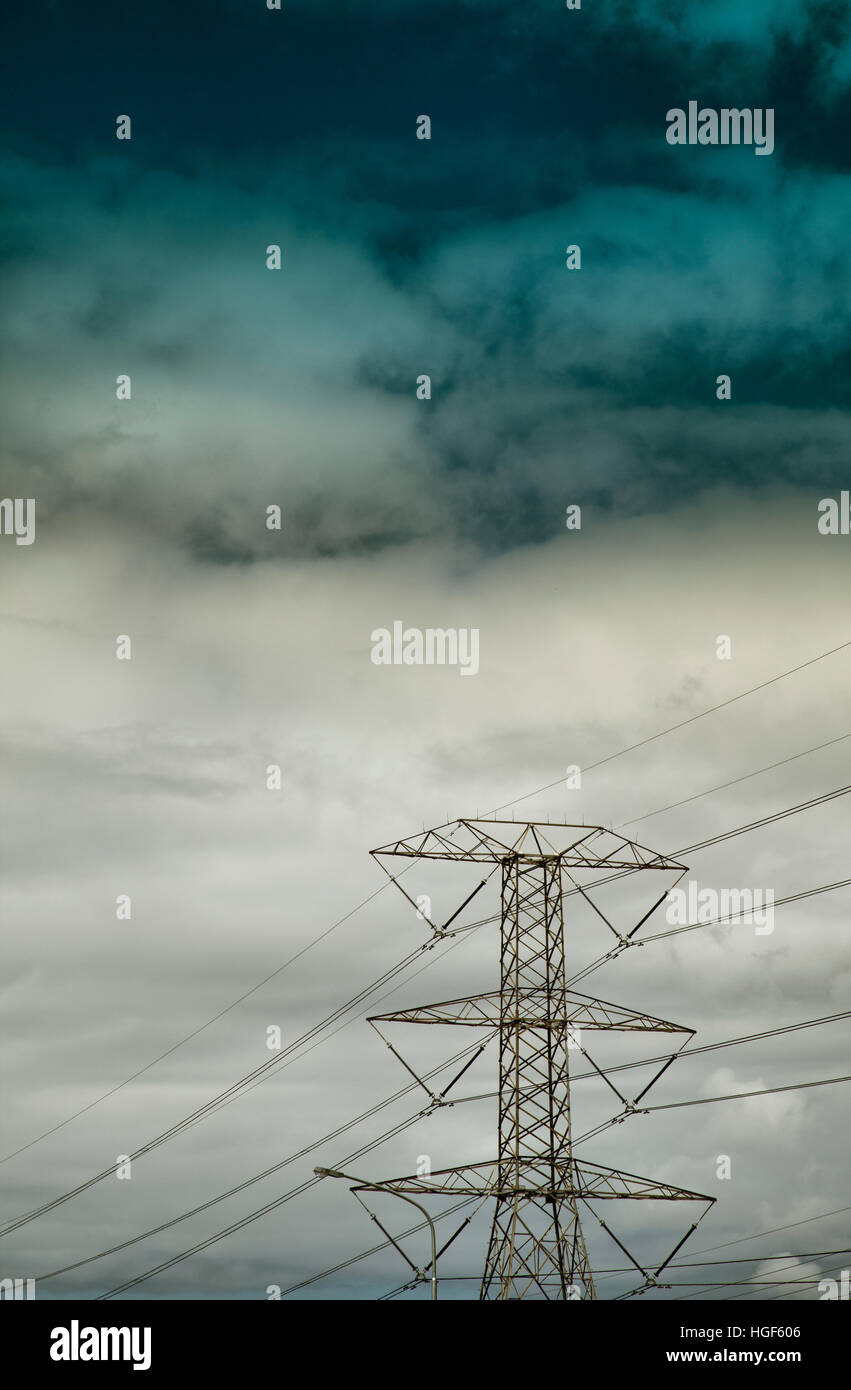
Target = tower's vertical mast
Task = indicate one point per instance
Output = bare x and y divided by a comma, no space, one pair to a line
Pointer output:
536,1244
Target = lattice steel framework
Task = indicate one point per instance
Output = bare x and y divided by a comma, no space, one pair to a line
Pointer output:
537,1248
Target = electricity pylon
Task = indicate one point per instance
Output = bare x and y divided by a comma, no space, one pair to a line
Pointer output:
537,1248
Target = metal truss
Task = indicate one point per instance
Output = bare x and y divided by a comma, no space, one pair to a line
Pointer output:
537,1248
540,1178
492,841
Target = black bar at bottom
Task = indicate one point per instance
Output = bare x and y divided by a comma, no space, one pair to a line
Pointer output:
61,1339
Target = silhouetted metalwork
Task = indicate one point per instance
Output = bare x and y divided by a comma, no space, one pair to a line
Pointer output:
537,1247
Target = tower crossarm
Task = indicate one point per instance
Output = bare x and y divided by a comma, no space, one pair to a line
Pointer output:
538,1177
493,841
534,1009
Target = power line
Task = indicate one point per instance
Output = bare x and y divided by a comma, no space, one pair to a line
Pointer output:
234,1093
774,1032
778,902
608,1273
220,1235
693,849
743,1095
753,1285
642,743
194,1034
370,897
238,1225
687,1052
630,1269
209,1106
661,1107
267,1172
775,1298
255,1215
772,1231
260,1072
265,1068
735,782
749,1259
685,1264
385,1245
737,1284
766,820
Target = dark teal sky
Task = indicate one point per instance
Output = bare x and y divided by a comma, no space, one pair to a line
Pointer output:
446,257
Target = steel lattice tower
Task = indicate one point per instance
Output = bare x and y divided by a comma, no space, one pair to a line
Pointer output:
533,1237
537,1248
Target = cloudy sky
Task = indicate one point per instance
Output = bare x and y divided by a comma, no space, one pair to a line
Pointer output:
297,388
